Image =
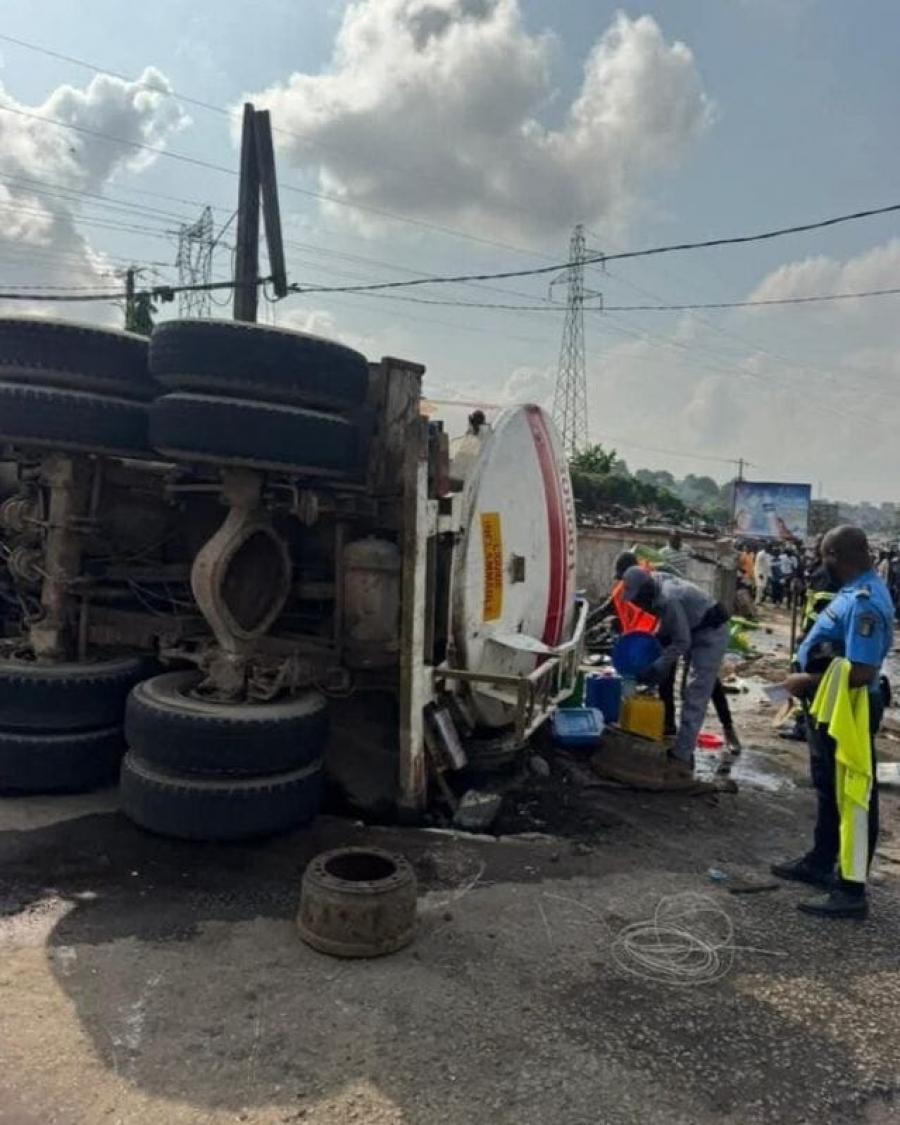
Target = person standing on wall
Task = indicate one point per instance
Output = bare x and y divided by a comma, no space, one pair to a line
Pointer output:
673,557
839,682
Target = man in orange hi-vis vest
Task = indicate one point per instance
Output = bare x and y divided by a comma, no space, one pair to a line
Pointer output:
631,617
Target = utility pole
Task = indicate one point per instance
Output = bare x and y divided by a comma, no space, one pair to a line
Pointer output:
741,463
257,184
129,296
265,162
139,307
246,258
570,401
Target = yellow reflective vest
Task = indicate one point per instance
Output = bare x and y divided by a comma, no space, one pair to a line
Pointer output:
816,601
844,712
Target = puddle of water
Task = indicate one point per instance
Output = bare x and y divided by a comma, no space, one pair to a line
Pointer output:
745,771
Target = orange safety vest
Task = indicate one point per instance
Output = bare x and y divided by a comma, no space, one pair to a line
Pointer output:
631,617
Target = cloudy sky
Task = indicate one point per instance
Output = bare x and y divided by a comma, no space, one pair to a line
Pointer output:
466,136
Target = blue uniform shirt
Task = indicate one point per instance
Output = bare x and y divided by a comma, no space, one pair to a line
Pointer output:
859,622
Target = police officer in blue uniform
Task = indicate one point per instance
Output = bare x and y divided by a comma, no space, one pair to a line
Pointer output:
856,625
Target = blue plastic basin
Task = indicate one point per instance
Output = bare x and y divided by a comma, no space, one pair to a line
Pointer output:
633,653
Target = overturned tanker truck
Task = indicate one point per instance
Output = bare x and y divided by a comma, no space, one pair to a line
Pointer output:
238,573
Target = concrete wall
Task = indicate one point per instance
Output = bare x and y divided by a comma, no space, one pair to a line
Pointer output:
598,547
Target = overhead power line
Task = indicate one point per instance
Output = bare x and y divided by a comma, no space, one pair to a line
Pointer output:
54,190
818,297
325,197
415,282
235,115
759,303
107,295
652,251
88,292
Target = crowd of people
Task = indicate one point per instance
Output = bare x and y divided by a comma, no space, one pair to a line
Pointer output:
784,574
774,573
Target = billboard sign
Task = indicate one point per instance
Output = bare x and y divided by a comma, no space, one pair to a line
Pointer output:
771,510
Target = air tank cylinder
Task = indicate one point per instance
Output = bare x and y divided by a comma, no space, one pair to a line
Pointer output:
371,603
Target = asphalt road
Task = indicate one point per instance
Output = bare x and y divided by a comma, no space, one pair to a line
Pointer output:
144,981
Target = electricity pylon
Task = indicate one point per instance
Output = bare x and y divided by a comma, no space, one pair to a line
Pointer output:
570,399
194,263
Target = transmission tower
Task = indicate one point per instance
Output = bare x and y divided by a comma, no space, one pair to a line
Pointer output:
570,403
194,263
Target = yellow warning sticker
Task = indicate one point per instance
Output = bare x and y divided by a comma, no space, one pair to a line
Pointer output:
492,548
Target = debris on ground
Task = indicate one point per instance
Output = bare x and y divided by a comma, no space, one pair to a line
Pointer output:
888,773
477,810
539,766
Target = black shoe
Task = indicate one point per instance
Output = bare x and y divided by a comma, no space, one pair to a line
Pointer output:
803,871
732,741
838,904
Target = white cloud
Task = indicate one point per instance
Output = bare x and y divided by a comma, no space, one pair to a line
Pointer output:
529,384
388,340
432,108
41,165
791,415
878,268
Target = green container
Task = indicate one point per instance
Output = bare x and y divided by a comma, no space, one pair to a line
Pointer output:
576,699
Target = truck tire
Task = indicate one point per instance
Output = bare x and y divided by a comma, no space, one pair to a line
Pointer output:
66,697
59,763
260,435
76,357
76,420
203,808
170,729
217,357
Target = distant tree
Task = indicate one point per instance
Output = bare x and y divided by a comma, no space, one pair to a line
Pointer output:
594,459
658,477
699,490
620,468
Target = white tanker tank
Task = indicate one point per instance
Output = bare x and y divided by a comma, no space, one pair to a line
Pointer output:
516,626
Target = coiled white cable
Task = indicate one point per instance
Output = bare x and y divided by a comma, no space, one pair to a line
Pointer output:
688,941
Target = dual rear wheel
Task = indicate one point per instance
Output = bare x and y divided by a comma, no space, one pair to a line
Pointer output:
205,392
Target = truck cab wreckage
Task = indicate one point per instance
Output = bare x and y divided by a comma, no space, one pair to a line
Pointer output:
238,556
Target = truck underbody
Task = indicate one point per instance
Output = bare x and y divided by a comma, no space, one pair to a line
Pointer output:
274,519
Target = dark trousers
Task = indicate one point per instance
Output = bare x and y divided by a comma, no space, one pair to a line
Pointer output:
667,695
827,833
